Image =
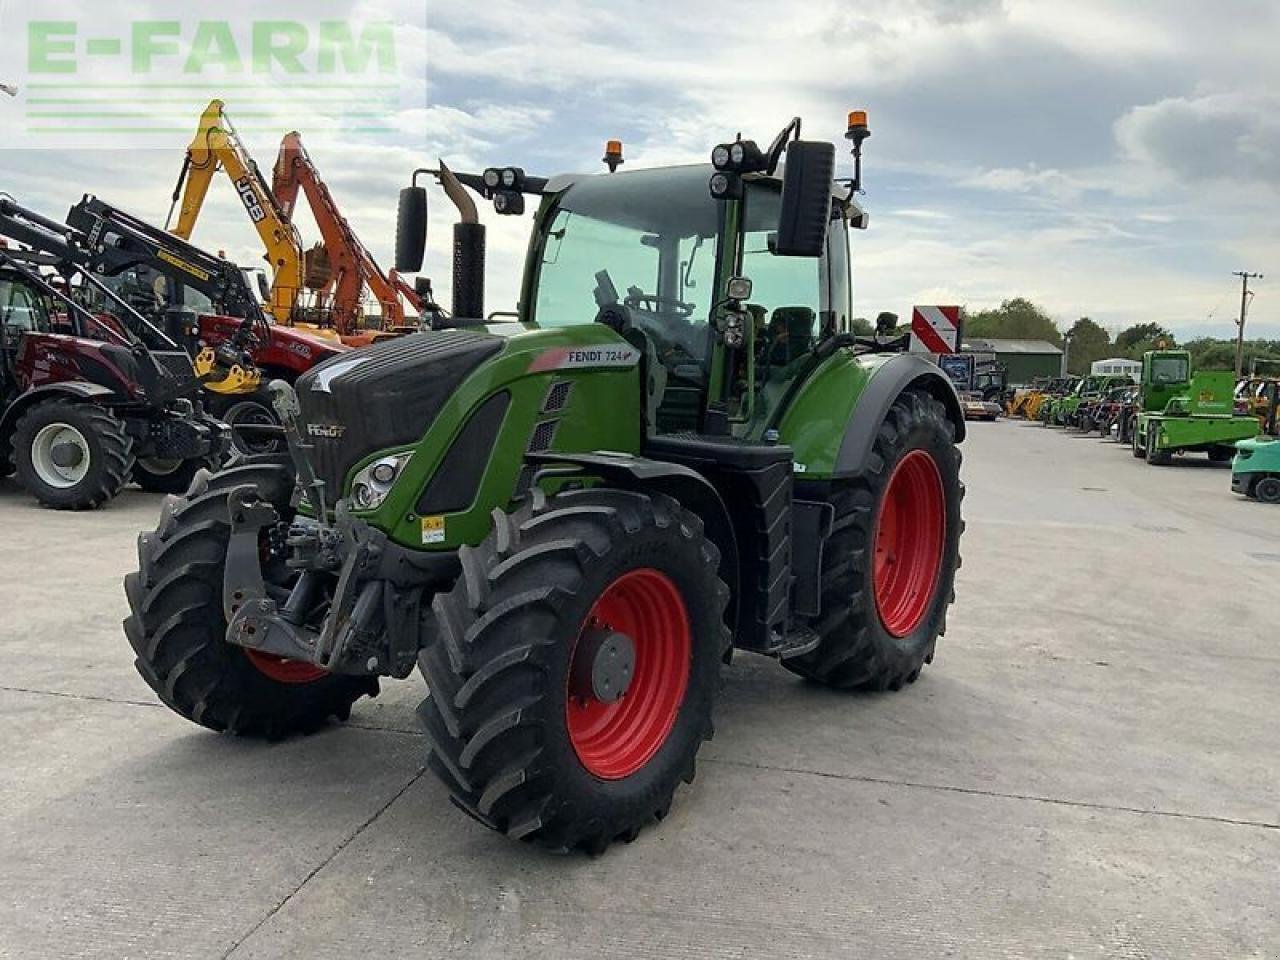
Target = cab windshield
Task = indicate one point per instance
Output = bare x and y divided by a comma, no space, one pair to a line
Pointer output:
644,241
1169,370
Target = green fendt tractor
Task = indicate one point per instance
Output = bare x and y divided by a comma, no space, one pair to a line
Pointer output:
1059,389
1181,413
567,522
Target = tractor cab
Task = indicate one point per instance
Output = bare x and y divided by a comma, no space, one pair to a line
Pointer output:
673,270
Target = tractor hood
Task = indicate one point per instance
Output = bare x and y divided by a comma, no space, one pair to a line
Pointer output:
385,395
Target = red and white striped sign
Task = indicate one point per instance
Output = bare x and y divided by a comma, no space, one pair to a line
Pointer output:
935,329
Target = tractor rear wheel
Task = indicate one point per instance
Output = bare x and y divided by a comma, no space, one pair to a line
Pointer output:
574,667
178,630
72,455
889,567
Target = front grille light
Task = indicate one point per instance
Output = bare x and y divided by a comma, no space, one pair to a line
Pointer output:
370,487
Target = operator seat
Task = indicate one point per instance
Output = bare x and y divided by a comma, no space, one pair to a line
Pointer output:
790,335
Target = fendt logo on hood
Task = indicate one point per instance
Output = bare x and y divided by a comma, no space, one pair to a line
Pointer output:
328,431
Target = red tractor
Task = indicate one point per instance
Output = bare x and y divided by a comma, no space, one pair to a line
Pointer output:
211,298
83,412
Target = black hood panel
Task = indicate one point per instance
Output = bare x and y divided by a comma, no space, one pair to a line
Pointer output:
384,395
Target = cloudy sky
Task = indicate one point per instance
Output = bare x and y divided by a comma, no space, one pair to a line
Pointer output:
1115,160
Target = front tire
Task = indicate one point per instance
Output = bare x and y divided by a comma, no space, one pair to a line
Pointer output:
1155,456
1267,490
72,455
178,630
520,732
165,476
889,566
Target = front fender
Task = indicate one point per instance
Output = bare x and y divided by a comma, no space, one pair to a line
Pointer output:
70,389
833,420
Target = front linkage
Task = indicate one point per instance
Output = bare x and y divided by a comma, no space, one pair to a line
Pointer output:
372,587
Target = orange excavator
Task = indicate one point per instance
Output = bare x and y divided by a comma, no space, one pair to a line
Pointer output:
344,266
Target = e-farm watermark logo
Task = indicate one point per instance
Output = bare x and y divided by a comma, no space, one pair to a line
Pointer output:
104,81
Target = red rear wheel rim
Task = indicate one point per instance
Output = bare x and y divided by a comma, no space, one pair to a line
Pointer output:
614,740
285,671
910,533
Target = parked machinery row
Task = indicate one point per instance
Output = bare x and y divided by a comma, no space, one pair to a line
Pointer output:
1171,411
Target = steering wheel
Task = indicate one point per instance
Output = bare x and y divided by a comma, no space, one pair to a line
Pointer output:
637,300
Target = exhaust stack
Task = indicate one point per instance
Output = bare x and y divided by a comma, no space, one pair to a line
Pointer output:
468,250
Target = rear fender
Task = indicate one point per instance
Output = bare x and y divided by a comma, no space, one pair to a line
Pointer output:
833,420
901,373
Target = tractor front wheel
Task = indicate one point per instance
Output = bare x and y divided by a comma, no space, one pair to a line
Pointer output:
1267,490
178,630
72,455
574,667
889,566
169,476
1155,456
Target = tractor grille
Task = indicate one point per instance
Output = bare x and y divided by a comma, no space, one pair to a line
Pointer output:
386,395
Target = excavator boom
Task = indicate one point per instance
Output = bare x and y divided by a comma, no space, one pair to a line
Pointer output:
353,268
216,146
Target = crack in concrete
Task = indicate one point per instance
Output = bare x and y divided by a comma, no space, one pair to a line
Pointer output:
93,698
333,854
996,794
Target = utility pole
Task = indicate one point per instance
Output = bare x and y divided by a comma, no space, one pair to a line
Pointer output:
1066,353
1245,277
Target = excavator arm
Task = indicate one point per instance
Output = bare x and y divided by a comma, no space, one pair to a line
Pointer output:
216,146
353,267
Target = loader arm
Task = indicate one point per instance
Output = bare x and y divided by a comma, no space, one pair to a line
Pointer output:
354,267
216,146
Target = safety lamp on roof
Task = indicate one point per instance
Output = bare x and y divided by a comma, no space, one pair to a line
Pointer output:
613,155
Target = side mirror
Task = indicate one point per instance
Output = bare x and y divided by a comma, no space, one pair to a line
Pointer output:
806,199
411,229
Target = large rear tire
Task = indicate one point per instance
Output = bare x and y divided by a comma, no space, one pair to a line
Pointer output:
72,455
178,630
889,566
520,728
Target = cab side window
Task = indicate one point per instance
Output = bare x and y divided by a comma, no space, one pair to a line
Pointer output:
786,295
20,311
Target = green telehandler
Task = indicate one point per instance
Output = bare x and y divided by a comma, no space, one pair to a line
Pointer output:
569,520
1182,413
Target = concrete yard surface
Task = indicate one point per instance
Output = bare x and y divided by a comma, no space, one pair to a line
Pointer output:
1090,768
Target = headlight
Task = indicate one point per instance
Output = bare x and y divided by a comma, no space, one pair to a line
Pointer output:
369,487
509,176
737,153
720,157
492,177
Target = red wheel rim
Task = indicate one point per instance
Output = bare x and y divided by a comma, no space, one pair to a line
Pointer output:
285,671
910,533
614,740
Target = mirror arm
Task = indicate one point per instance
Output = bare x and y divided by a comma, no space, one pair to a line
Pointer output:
780,143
